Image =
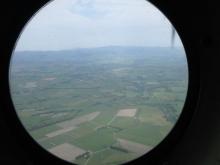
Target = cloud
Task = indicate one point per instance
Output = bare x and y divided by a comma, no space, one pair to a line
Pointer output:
87,8
68,24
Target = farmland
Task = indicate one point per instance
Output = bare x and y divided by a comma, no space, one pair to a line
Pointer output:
104,105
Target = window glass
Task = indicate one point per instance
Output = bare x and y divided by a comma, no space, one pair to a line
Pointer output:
98,82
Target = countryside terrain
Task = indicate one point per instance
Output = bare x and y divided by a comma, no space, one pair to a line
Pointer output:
99,106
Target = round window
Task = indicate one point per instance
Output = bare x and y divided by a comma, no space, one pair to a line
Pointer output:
98,82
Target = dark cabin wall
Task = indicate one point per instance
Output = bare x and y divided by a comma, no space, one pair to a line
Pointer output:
197,21
200,145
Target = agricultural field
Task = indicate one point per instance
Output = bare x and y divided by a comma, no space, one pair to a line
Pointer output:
106,105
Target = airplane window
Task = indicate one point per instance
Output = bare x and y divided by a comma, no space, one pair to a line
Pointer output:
98,82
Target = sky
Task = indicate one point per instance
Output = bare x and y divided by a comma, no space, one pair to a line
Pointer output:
70,24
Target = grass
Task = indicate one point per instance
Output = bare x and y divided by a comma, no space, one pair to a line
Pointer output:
114,157
40,133
104,117
152,115
124,122
96,140
144,133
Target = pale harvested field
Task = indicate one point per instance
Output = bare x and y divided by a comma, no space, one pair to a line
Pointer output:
59,115
45,114
67,151
133,146
59,132
79,120
30,84
127,112
29,110
50,79
156,119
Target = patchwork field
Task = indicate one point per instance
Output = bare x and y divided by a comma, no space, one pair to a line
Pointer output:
99,106
133,146
59,132
127,112
78,121
67,151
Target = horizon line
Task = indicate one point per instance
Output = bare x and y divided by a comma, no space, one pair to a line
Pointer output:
71,49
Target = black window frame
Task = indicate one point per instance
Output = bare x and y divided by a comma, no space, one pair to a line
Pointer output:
23,11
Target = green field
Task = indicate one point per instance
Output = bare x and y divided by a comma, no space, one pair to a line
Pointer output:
89,99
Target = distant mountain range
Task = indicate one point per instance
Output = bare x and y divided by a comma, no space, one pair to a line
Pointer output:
110,49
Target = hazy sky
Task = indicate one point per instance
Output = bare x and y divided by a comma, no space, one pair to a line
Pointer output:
69,24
